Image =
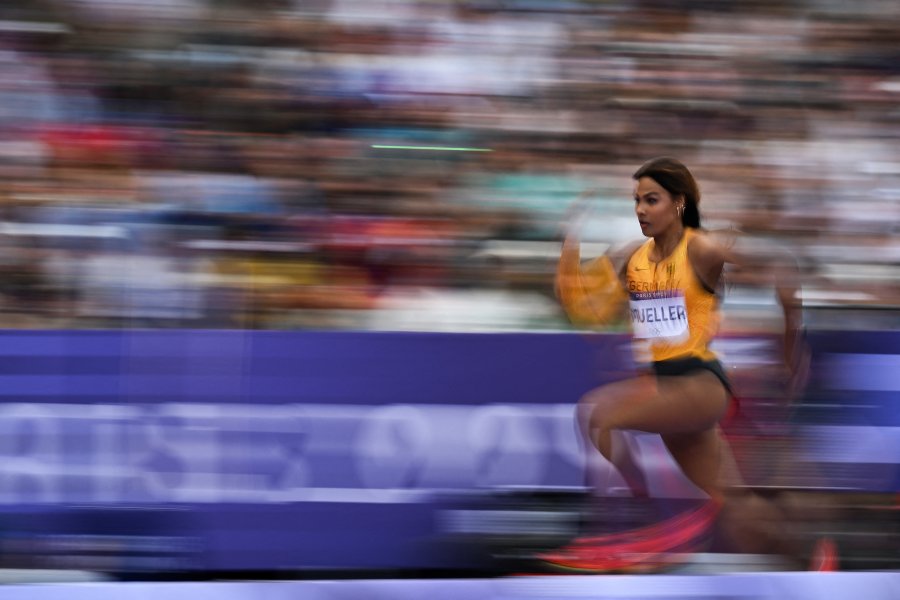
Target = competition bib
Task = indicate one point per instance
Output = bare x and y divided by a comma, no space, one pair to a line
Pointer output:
658,314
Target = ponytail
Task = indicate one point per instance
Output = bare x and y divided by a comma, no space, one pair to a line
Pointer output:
691,215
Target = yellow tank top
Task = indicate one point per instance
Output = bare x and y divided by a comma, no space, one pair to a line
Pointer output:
672,314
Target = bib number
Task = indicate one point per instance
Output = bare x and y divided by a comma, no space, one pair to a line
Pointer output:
658,315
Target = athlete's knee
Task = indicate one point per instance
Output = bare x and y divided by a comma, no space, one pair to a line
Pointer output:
598,406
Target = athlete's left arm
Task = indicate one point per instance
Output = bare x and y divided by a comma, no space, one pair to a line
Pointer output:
797,356
782,272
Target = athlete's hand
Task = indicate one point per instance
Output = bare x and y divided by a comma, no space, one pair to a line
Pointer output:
577,214
570,229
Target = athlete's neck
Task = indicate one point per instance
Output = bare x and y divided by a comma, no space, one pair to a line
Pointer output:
667,241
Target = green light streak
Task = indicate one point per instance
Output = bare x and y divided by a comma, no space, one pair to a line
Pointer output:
435,148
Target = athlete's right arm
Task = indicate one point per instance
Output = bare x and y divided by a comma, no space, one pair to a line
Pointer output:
590,293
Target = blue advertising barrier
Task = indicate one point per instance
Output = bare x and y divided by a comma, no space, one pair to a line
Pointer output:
254,450
157,366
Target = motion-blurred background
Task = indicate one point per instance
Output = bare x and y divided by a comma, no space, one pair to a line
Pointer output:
363,167
402,164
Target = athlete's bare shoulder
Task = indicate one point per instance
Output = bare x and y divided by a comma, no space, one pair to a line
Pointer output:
727,238
708,245
707,256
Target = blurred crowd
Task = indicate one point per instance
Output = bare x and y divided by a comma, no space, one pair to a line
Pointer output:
407,164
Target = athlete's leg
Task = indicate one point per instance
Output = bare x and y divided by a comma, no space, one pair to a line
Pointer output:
621,457
678,405
685,411
752,523
699,455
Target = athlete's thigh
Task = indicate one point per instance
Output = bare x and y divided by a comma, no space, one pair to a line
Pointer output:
665,405
599,403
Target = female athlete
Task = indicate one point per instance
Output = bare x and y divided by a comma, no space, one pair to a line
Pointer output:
670,282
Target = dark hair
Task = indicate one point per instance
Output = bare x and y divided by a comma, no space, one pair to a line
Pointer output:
676,179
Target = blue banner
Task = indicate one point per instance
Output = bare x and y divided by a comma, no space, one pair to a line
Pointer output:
229,450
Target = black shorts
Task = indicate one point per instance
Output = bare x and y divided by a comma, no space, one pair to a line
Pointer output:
683,366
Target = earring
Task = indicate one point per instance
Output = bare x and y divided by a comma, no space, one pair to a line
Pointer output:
680,210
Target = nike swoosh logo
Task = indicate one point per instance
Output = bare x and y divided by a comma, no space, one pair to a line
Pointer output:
644,269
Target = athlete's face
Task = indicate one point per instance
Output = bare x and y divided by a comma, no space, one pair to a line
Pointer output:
656,209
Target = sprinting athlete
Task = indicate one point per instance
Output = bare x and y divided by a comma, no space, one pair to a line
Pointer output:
670,283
